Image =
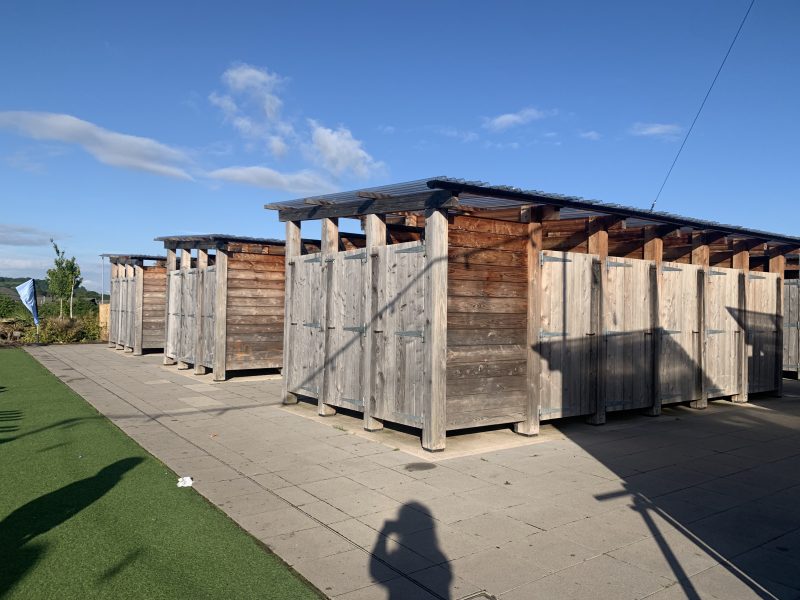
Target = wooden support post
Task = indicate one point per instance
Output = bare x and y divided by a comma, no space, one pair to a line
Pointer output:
375,229
120,297
598,244
777,264
131,310
221,316
186,264
654,250
292,254
741,261
534,218
434,391
171,259
138,331
701,256
202,264
329,247
113,302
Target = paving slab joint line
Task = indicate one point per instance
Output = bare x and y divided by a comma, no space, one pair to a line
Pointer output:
298,508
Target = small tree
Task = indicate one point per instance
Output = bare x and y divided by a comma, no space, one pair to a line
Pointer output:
63,278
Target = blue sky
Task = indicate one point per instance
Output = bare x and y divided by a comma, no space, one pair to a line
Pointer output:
123,122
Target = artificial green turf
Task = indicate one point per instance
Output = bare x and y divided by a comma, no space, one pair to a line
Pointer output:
86,513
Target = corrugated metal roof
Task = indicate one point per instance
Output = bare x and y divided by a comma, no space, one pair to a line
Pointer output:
220,238
480,194
120,256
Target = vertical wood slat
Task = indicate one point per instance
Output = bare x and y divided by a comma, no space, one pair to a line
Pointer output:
138,330
701,257
221,316
598,244
292,253
435,353
741,261
654,250
113,308
202,264
185,264
375,229
129,307
170,265
329,247
777,264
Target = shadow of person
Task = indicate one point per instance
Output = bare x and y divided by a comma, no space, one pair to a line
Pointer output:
414,532
21,527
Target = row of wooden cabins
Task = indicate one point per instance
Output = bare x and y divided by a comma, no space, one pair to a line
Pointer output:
463,304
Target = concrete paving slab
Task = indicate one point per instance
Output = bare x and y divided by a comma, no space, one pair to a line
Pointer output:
724,481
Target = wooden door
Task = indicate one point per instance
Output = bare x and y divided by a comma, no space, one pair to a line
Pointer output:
721,330
113,317
307,334
567,343
791,325
398,323
208,285
172,348
188,316
762,332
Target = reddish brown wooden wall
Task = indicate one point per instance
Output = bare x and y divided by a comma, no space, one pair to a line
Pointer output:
153,306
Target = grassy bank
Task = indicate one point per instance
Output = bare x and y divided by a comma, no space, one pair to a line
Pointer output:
86,513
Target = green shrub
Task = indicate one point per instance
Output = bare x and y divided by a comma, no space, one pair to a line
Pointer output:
53,330
8,306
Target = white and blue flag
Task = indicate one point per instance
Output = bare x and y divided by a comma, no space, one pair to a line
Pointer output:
27,293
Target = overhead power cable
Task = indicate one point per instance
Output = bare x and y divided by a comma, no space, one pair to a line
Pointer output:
702,104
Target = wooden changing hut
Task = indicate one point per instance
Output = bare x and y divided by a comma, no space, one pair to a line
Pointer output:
474,304
137,300
224,307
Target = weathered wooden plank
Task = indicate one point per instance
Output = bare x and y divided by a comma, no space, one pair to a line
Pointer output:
469,304
482,256
330,246
457,320
493,289
435,307
139,306
423,201
375,230
220,366
479,272
488,337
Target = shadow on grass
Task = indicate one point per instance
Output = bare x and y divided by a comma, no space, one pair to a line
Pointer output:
65,424
20,528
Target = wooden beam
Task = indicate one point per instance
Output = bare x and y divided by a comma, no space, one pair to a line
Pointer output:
329,246
221,317
171,259
598,244
534,217
375,228
700,250
434,392
293,244
138,330
186,264
202,265
777,264
423,201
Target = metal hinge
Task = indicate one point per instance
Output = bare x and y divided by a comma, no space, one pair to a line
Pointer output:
714,331
362,329
362,256
408,417
413,333
548,411
671,331
751,276
315,325
412,250
549,334
791,282
330,259
543,258
352,401
615,263
712,272
667,268
793,325
316,259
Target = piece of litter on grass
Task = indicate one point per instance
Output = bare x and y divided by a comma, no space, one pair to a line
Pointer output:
185,482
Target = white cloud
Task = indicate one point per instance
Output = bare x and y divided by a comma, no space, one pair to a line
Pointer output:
109,147
300,182
277,146
387,129
502,145
521,117
340,153
22,235
666,131
15,265
253,107
590,135
464,136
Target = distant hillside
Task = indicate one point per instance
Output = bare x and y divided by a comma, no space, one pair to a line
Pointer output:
7,285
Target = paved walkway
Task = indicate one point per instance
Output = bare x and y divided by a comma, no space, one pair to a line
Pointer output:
694,504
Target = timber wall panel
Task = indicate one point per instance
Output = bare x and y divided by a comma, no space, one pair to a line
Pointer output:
486,322
761,325
791,325
153,307
721,329
255,289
